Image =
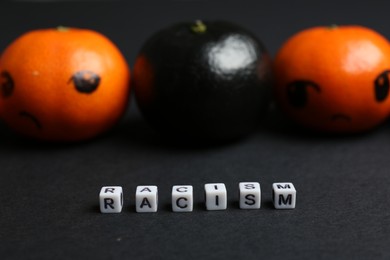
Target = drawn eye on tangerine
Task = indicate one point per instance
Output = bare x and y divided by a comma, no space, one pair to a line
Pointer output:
7,84
297,92
85,81
382,85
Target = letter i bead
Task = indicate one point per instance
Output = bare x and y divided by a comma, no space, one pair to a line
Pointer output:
216,196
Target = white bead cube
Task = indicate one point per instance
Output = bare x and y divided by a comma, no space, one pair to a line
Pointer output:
146,199
111,199
284,195
182,198
250,195
216,196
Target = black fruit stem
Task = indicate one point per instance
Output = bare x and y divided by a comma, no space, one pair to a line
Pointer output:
333,26
199,27
61,28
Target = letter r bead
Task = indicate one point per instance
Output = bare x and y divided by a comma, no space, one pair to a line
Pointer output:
111,199
284,195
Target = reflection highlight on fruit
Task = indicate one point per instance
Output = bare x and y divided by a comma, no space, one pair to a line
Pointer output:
231,54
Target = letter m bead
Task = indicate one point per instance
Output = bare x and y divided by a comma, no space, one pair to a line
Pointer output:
284,195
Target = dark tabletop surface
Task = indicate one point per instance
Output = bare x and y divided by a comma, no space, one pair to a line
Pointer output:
49,192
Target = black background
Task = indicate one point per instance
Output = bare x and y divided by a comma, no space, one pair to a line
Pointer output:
49,192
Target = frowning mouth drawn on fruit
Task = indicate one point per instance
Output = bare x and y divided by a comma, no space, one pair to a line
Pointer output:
31,117
297,93
341,117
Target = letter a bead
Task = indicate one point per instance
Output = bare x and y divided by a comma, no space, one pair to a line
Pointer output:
284,195
111,199
146,199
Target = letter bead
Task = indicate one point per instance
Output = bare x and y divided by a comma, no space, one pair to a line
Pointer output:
216,196
146,199
182,198
284,195
250,195
111,199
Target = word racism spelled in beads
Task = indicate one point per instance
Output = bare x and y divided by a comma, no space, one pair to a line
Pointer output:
146,197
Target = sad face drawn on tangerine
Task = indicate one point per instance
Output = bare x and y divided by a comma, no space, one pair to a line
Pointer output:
83,81
298,93
63,85
334,79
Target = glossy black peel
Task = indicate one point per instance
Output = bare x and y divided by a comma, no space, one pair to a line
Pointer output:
211,81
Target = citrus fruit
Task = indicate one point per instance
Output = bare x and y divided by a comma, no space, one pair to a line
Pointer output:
63,84
334,79
203,81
